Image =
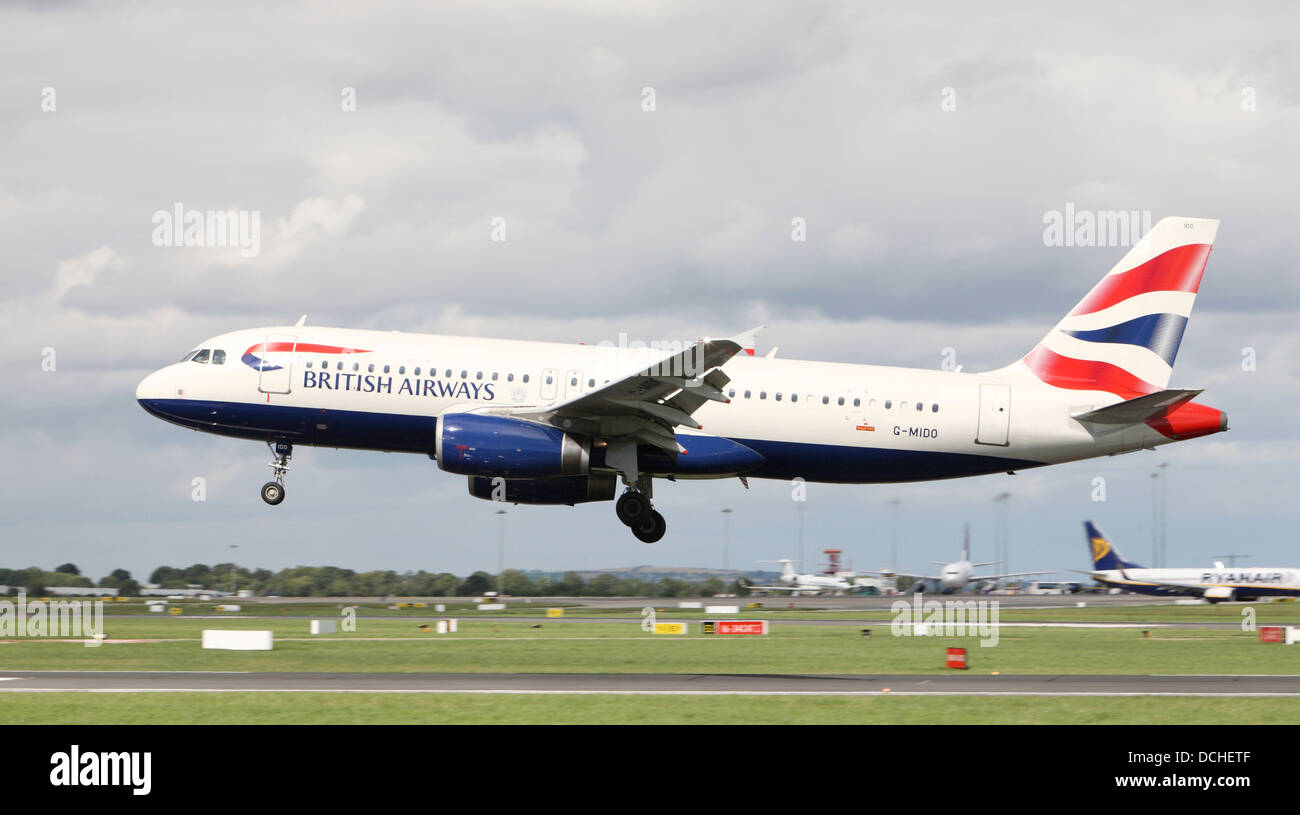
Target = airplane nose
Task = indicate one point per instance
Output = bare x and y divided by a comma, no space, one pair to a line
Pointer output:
149,388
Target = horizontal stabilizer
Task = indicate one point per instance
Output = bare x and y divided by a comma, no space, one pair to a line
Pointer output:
1140,409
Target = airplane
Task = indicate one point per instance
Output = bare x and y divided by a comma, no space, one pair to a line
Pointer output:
810,583
1216,584
957,575
555,423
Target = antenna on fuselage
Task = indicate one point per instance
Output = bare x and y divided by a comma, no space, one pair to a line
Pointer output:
301,321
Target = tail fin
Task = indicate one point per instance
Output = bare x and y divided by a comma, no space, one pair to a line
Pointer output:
1124,335
1105,558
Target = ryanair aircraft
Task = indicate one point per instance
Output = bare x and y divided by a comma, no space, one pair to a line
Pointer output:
1219,583
553,423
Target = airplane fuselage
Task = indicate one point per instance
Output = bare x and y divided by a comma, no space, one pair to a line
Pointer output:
1245,583
820,421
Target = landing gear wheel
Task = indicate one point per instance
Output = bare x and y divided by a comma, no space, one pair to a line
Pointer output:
633,508
272,492
652,530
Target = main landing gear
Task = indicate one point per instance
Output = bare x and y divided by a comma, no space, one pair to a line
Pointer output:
273,491
633,507
634,510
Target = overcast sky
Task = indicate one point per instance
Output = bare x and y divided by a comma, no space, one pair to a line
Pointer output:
922,147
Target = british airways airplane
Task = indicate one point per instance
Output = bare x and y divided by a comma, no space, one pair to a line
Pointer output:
553,423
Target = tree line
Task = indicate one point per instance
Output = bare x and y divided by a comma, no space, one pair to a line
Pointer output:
332,581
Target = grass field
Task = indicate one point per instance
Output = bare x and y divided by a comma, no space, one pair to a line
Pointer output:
437,708
391,641
388,645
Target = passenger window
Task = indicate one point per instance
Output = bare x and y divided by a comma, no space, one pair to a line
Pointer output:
934,408
525,378
857,402
309,363
202,356
746,394
778,396
218,357
762,394
370,369
591,383
386,369
888,404
573,382
731,394
401,370
826,400
356,366
478,375
339,367
417,370
494,376
919,407
510,377
549,379
464,374
839,401
448,374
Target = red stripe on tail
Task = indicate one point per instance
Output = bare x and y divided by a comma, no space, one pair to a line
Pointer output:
1179,269
1085,374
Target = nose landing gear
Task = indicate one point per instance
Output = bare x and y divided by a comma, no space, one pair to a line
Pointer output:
273,491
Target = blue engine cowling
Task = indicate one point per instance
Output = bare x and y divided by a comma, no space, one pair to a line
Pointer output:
577,489
485,445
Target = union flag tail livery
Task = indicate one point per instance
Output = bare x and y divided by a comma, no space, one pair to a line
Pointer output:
566,423
1123,337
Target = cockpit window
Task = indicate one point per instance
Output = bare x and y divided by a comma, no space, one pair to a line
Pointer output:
202,356
218,357
191,355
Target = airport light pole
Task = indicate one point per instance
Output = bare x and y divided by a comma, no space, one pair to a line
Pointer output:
1003,545
1164,538
726,538
501,552
1158,479
233,584
799,507
893,533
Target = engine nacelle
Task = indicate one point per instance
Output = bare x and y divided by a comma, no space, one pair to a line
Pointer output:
485,445
565,490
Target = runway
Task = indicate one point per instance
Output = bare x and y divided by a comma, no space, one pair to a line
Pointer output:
651,684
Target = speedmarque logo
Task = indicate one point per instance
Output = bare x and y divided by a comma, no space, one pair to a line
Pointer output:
91,769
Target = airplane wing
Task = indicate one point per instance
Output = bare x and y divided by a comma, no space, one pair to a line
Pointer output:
1009,574
905,574
648,404
1125,580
